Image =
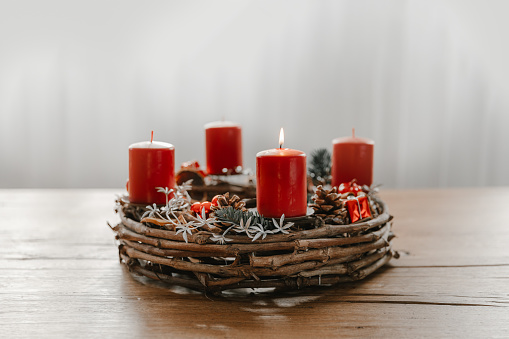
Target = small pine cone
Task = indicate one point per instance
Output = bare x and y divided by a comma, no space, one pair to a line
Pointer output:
225,201
328,204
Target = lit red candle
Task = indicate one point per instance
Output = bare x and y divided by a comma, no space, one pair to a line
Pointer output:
352,158
151,165
281,182
223,143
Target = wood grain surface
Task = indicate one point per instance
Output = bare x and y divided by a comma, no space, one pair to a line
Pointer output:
60,277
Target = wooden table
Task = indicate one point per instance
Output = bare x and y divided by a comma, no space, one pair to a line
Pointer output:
60,277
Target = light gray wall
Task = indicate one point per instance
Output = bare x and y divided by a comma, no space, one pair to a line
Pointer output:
81,80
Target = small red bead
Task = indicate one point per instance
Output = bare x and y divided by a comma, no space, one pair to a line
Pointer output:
196,207
214,200
206,205
349,187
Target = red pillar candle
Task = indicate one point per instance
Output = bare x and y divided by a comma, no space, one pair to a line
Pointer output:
281,182
223,143
352,158
151,165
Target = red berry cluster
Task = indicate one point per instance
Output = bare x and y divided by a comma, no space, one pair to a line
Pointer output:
197,207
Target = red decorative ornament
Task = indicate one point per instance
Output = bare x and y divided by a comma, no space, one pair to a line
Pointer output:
214,200
206,205
349,187
192,166
358,208
198,207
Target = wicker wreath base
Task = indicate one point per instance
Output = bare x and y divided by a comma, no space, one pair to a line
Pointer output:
323,255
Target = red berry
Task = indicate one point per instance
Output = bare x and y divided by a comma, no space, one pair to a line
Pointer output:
214,200
196,207
206,205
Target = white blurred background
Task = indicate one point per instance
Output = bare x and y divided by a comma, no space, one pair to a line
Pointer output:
81,80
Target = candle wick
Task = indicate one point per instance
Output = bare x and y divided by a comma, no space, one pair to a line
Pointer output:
151,136
280,146
353,132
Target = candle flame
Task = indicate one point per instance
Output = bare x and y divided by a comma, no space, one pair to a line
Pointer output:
152,136
281,137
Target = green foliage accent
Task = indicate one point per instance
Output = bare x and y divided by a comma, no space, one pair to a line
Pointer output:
320,166
234,216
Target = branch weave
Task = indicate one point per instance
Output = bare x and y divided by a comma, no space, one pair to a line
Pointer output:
324,255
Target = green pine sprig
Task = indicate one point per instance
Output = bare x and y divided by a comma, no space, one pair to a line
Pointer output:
320,166
234,216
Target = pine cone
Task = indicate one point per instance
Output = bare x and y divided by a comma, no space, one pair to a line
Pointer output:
225,201
328,204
